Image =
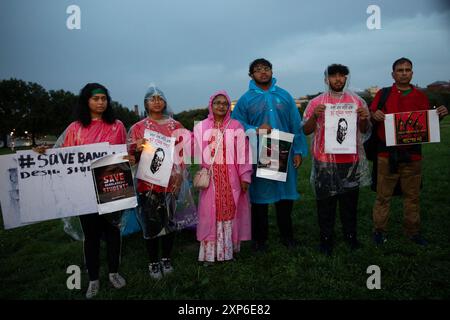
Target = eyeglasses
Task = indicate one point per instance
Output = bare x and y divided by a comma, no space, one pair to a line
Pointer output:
260,69
218,103
155,99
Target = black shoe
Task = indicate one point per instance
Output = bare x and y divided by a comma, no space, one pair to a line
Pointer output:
326,249
259,246
353,242
355,245
379,238
290,243
326,246
417,239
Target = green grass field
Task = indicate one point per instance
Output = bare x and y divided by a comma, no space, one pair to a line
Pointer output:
34,259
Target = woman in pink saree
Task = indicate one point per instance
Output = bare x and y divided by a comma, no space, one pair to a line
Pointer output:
224,207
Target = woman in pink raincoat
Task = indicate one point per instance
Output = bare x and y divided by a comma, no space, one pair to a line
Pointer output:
224,207
96,122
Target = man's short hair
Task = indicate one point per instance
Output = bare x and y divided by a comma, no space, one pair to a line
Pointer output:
337,68
260,61
401,61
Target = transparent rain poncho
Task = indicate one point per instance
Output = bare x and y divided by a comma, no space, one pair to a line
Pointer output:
333,173
164,209
123,219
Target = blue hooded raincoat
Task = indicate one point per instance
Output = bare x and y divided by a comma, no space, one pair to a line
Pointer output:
277,108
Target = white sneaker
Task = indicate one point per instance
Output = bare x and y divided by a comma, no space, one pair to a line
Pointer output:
166,266
155,270
92,291
116,280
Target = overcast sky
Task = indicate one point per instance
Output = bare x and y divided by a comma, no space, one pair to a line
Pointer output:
192,48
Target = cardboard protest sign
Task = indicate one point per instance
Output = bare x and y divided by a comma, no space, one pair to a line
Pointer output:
412,127
274,155
59,183
113,183
155,165
340,128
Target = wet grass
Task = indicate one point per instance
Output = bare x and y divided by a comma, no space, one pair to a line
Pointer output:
34,259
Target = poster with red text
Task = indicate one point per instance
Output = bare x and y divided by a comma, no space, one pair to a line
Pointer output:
412,127
113,182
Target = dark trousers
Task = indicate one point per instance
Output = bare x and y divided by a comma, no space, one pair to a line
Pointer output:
166,244
260,220
94,228
326,209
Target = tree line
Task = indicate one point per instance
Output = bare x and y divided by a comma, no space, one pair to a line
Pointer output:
27,106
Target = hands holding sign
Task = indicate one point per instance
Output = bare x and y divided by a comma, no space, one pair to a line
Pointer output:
442,111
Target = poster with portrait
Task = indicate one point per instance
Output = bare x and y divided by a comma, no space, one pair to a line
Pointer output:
274,150
340,128
155,165
412,127
113,182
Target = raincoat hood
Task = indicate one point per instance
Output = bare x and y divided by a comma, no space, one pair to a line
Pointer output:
345,89
211,99
155,91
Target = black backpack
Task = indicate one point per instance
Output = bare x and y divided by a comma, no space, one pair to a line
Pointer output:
372,144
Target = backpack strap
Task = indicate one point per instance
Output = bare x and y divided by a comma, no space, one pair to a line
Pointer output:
384,96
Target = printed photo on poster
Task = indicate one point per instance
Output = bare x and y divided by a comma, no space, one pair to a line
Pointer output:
113,182
412,127
340,128
155,165
274,150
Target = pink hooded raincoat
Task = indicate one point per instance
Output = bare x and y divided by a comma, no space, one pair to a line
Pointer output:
239,169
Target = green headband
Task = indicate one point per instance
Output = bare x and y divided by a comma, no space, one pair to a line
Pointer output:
97,91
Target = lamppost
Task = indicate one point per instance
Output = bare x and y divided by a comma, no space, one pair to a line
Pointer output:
13,140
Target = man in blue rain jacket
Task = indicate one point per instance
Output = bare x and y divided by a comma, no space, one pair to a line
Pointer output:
262,108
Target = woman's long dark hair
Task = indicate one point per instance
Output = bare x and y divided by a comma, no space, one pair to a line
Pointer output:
82,111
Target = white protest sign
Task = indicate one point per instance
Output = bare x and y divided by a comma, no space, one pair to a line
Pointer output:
59,183
412,127
340,128
113,182
155,165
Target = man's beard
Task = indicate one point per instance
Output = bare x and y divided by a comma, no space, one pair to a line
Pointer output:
339,88
265,83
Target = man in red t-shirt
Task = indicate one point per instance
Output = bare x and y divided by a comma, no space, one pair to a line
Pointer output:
399,162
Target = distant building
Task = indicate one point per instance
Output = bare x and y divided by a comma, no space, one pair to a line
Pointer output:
136,110
372,91
439,86
233,103
304,99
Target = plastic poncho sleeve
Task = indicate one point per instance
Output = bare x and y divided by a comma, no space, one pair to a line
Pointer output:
240,113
